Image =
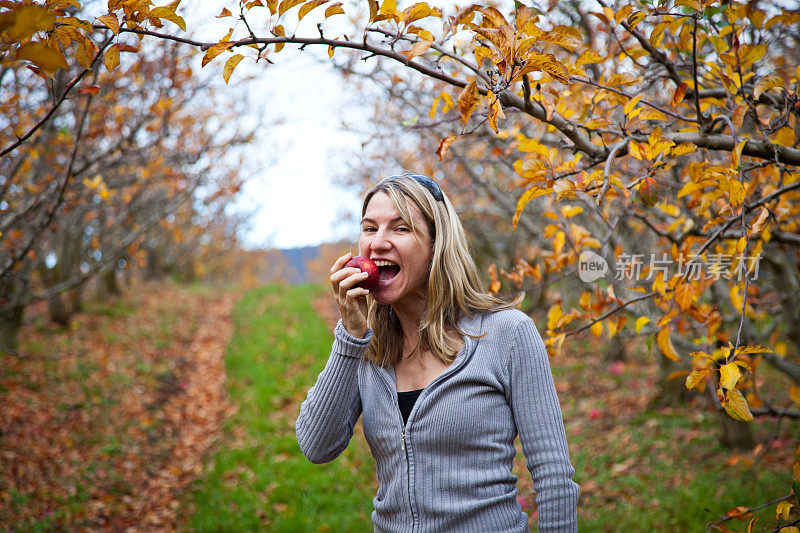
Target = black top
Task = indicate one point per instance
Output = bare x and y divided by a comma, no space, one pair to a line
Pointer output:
406,401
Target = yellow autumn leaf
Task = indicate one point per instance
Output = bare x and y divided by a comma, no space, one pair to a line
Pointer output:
640,323
111,60
334,9
636,18
597,329
794,394
785,137
86,52
596,123
307,7
782,511
527,196
753,349
736,298
623,13
741,244
589,56
770,81
736,192
736,406
729,374
553,316
631,104
230,65
110,21
633,149
683,148
585,299
29,20
694,4
286,5
417,50
665,344
684,295
169,14
216,50
388,7
696,376
468,100
736,155
47,58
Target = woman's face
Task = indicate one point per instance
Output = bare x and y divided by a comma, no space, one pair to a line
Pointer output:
402,257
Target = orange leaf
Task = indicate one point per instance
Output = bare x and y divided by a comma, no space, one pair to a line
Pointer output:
230,64
334,9
468,100
86,52
680,92
169,14
111,22
286,5
224,13
215,50
445,145
665,344
92,89
417,50
307,7
527,196
112,57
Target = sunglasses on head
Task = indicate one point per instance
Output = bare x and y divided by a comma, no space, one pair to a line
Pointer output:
425,181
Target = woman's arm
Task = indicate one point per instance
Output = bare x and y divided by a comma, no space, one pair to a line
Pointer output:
537,413
332,406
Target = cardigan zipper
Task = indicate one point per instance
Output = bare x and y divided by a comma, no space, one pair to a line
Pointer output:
393,394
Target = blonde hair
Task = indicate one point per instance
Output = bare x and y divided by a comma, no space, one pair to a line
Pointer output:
455,288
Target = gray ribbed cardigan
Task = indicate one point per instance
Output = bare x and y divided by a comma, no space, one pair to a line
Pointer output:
449,468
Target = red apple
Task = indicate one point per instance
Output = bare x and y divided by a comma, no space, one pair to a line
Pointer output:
365,264
648,191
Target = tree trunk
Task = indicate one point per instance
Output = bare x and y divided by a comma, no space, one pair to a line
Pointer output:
11,290
736,435
76,298
154,270
614,350
671,392
57,310
108,283
10,323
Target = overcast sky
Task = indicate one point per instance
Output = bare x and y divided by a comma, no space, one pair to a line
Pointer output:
289,189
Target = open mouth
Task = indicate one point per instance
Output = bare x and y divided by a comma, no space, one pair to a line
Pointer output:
387,270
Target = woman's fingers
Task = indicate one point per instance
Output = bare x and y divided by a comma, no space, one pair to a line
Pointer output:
341,261
350,299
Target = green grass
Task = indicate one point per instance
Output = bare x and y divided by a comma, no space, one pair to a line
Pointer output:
662,482
259,479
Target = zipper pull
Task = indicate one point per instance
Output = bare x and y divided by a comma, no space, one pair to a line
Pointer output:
404,440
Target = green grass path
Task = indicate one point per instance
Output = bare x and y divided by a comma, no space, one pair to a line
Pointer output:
259,480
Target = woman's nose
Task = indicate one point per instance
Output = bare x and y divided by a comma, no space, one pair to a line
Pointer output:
380,240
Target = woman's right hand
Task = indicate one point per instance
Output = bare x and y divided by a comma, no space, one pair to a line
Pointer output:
352,300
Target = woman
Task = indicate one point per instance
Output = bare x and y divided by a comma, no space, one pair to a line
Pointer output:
444,375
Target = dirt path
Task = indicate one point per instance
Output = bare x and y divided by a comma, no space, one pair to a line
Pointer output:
106,436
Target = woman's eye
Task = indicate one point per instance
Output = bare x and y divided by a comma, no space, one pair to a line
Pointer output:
368,229
402,229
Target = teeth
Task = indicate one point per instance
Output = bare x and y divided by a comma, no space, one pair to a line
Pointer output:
384,263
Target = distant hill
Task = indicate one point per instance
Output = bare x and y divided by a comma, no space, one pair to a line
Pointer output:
299,259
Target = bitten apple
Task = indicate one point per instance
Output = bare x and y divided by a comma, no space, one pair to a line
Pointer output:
365,264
